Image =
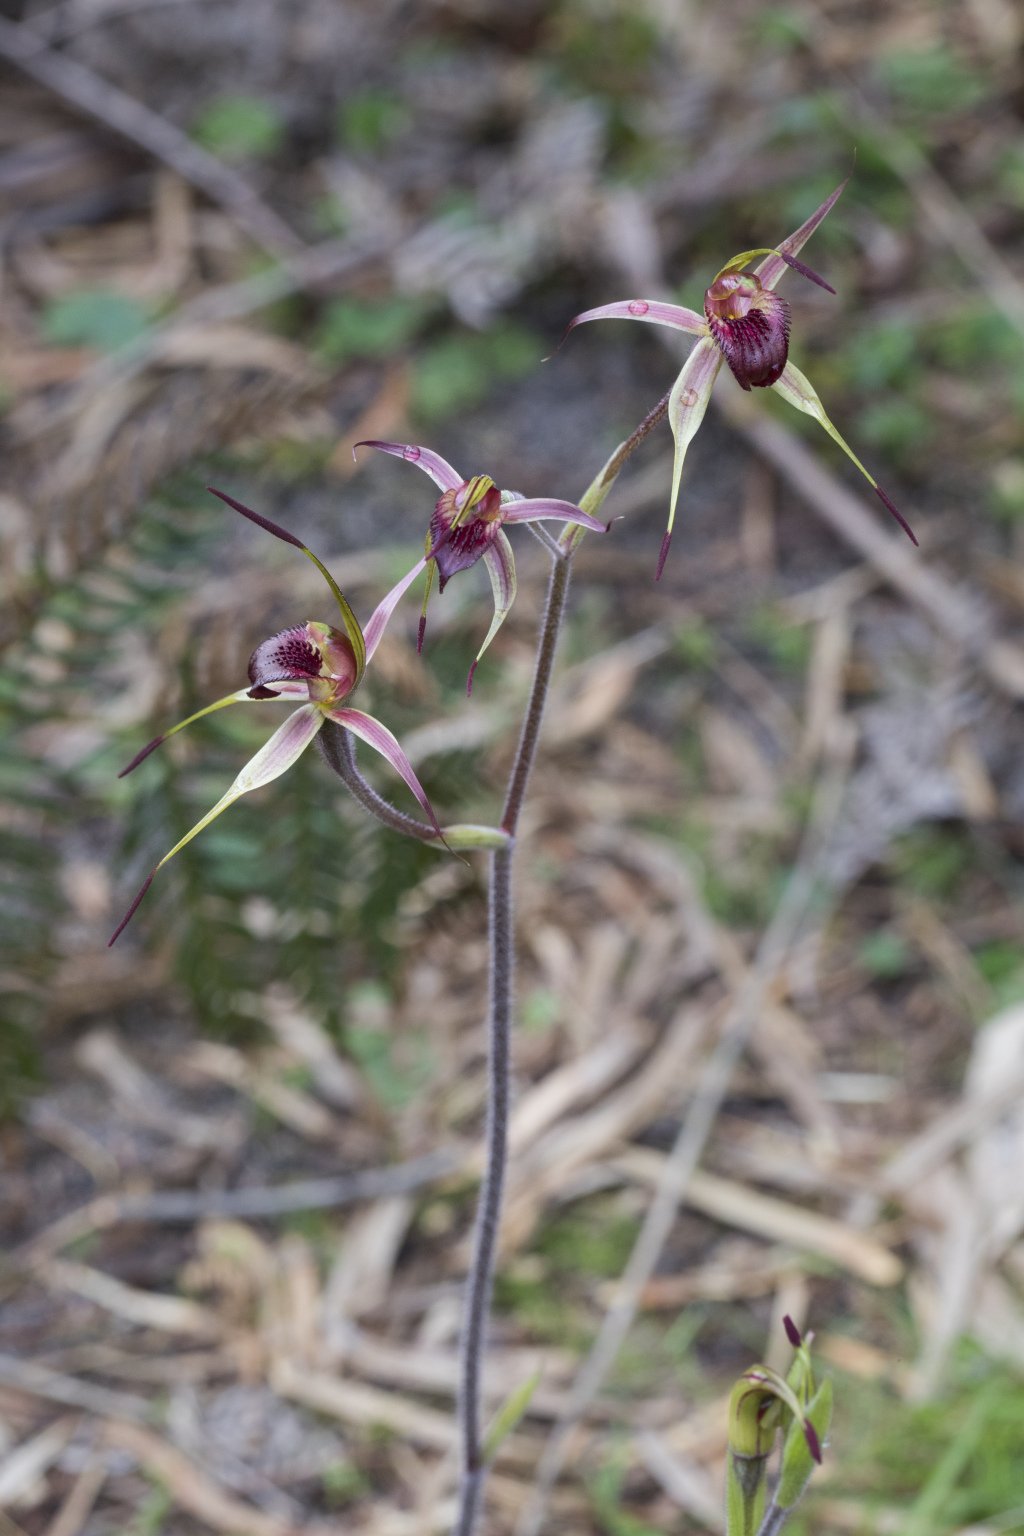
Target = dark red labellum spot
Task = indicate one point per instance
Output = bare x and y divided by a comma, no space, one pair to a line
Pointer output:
792,1331
756,347
456,549
289,656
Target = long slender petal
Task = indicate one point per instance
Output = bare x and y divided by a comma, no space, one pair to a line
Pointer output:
283,690
439,470
349,619
737,264
651,310
385,608
287,744
687,404
501,568
772,268
542,509
800,392
380,738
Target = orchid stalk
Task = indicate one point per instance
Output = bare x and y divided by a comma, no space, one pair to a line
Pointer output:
746,325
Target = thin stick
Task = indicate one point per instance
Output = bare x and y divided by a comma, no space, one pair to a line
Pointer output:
801,889
335,744
23,47
187,1205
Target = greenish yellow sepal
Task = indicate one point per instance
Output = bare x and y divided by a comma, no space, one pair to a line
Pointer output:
467,835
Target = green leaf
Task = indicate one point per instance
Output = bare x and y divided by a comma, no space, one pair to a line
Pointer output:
456,371
509,1414
94,318
797,1462
370,119
239,127
367,328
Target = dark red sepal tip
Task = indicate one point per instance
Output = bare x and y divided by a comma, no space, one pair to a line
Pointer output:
255,517
898,515
792,1331
813,1443
123,924
663,556
420,634
805,271
469,679
141,756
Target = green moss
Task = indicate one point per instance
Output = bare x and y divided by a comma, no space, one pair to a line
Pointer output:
884,954
461,367
931,860
367,328
239,127
94,317
369,120
931,80
593,1239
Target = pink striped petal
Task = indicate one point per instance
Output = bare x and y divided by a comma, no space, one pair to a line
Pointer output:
439,470
772,268
380,738
651,310
543,509
384,609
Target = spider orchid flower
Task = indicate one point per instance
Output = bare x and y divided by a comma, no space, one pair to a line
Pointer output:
322,666
467,526
746,325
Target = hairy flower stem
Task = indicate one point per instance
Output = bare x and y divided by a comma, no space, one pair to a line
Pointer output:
481,1275
774,1520
335,744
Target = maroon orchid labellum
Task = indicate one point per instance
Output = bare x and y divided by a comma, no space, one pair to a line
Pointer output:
746,325
467,525
318,666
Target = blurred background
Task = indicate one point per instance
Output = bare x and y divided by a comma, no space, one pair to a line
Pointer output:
237,237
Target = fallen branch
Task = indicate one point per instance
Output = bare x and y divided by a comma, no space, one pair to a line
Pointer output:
53,1387
187,1205
76,84
192,1489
